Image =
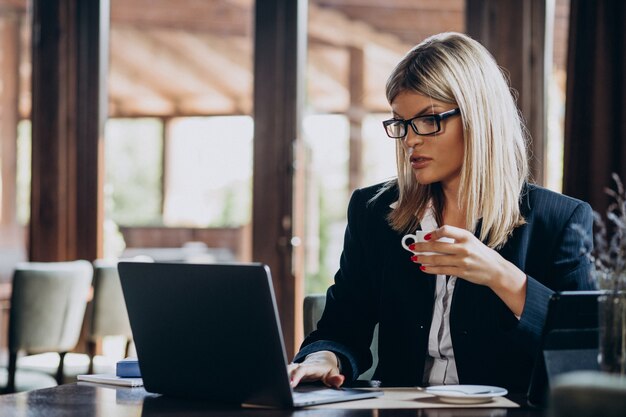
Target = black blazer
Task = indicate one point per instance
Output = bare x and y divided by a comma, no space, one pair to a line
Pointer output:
378,283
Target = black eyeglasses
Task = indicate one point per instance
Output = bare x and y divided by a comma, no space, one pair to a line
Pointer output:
421,125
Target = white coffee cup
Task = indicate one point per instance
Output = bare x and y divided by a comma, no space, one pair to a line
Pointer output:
418,236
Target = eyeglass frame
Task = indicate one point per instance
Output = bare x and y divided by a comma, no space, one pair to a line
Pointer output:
438,118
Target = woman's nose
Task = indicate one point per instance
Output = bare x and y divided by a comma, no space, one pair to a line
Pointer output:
412,139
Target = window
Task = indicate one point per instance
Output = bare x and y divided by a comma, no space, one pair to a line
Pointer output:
179,141
134,154
209,172
353,47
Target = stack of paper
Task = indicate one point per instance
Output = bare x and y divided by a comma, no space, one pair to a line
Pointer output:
127,375
111,379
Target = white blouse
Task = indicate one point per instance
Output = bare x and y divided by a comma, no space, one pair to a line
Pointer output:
440,367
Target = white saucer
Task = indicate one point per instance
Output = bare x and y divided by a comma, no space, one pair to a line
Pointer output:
465,394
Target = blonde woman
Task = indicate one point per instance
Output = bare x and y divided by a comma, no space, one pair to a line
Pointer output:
471,311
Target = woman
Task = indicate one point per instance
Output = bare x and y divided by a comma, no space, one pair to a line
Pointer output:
472,312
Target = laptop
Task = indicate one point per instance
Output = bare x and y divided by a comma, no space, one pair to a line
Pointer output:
569,341
212,332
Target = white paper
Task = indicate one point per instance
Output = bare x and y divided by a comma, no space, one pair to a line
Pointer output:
111,379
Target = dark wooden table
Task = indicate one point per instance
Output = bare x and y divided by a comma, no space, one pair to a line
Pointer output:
100,401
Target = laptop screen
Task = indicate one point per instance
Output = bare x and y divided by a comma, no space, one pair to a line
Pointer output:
207,331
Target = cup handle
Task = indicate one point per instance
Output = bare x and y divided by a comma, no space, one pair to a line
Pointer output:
407,237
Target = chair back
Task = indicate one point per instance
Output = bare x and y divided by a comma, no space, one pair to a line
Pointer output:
48,303
314,307
108,315
588,394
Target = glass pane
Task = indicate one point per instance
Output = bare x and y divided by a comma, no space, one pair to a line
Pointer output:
326,137
15,100
209,176
556,96
353,46
188,65
379,151
133,171
24,142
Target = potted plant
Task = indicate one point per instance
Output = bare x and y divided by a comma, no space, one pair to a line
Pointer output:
609,273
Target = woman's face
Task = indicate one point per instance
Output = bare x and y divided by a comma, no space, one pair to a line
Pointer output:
435,158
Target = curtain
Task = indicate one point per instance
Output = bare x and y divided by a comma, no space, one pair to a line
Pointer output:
595,115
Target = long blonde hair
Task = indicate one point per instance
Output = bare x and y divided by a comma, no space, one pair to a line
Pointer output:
455,69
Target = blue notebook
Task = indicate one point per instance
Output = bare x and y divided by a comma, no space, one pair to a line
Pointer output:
128,368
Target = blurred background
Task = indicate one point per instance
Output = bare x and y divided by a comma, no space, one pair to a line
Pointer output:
188,123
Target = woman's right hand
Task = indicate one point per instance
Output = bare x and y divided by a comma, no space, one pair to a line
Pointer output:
319,366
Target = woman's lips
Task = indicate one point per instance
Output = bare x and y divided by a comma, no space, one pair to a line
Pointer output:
419,162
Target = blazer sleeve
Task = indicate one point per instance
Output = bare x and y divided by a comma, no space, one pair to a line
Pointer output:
347,323
569,271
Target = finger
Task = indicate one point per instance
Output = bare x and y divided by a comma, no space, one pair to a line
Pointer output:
309,373
304,373
291,372
443,260
442,270
437,247
333,379
438,260
448,231
295,375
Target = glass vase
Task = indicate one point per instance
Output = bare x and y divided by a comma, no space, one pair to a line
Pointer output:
612,332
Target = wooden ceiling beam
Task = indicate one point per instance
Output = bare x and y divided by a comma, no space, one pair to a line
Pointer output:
406,19
199,58
327,85
237,49
148,61
133,108
336,29
216,16
206,37
380,63
331,62
224,17
14,5
455,5
314,41
326,93
124,87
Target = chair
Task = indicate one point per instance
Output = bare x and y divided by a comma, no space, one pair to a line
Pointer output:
48,303
108,315
313,308
588,394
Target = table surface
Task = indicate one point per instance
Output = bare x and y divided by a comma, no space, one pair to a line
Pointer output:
92,400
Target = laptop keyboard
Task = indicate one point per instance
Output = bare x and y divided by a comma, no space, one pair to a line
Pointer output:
315,391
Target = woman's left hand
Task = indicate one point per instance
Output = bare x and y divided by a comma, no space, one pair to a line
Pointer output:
472,260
